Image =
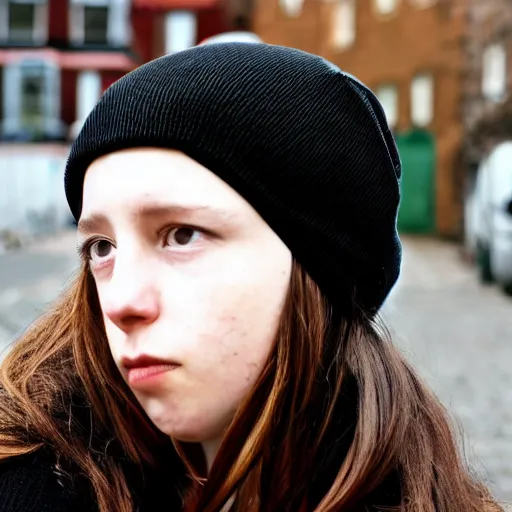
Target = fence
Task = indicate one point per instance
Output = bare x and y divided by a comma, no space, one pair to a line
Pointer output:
32,199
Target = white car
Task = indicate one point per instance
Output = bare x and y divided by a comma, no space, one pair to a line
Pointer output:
489,217
232,37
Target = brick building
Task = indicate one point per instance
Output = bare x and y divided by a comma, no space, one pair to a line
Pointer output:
58,56
488,78
166,26
56,59
411,53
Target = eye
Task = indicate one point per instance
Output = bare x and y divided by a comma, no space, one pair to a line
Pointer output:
181,237
99,250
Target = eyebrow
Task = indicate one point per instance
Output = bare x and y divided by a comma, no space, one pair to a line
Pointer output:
96,221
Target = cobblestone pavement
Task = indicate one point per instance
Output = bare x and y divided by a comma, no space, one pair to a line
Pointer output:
458,333
30,279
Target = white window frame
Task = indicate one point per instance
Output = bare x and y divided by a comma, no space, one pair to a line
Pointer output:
88,92
388,95
40,28
494,72
180,30
423,100
118,21
13,97
88,89
292,8
384,10
344,24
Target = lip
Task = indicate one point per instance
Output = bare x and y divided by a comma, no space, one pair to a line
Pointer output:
146,371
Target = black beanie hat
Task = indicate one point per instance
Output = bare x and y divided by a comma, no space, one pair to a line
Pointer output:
306,144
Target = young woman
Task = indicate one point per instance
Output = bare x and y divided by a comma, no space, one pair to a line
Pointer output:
219,349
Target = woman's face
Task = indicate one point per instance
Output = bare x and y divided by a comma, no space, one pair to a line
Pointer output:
191,283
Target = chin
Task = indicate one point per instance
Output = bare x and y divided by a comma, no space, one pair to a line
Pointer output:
182,423
183,428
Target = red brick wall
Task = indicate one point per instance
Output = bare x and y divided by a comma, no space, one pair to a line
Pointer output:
211,22
149,30
58,21
275,27
143,26
108,78
68,96
393,49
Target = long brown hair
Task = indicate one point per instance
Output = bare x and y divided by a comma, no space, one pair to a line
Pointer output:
337,421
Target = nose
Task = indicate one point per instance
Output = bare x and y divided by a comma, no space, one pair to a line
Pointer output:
131,299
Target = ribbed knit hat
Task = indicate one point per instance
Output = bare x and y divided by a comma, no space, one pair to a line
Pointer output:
305,143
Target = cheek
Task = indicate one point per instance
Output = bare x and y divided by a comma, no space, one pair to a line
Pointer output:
236,342
238,317
240,355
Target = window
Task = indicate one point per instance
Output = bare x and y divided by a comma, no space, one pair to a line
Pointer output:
32,97
292,8
21,22
180,31
386,6
422,100
95,24
100,22
24,21
388,96
344,24
31,100
494,72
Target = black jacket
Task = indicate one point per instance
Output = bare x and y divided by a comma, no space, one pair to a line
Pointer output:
33,483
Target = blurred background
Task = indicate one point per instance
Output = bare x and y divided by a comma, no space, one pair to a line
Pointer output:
441,68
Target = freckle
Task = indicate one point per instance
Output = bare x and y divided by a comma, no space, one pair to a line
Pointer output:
235,354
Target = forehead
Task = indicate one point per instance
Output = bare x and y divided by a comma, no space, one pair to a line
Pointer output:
130,177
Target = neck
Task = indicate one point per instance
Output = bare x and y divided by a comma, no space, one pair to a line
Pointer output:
210,449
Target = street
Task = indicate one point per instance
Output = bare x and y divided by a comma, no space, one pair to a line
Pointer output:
456,332
32,278
459,335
